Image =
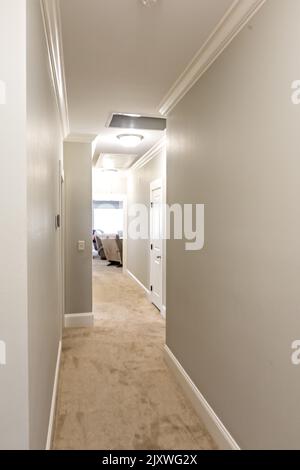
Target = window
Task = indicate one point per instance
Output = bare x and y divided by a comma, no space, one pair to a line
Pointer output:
108,216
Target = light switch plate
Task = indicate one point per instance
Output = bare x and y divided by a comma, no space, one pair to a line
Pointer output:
2,353
81,245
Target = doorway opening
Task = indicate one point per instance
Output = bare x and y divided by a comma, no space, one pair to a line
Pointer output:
109,207
108,231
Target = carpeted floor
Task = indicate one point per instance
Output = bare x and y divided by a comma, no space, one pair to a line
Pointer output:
115,391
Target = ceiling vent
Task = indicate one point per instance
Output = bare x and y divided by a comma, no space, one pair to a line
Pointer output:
131,121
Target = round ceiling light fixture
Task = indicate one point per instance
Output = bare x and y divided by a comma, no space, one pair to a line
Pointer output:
148,3
109,170
130,140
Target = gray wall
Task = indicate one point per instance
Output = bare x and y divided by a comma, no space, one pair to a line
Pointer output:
233,308
13,267
138,254
30,149
78,213
44,150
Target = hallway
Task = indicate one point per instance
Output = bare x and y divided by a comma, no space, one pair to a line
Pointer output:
115,391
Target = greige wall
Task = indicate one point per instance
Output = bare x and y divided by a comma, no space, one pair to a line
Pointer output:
30,148
233,308
78,212
44,150
138,254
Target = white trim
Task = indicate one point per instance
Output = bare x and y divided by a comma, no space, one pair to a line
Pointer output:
94,147
138,282
81,138
125,233
165,231
52,25
79,320
152,153
54,398
156,184
236,17
216,428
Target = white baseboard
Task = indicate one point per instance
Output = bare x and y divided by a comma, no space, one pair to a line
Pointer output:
216,428
79,320
164,312
53,402
138,282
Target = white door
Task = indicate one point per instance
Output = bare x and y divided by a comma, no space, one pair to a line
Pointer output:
156,243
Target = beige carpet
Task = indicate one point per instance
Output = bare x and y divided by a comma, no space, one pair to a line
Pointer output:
115,391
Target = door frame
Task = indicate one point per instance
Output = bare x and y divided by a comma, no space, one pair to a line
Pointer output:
157,184
125,232
62,242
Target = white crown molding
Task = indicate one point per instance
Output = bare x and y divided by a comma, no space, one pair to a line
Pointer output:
236,17
52,26
152,153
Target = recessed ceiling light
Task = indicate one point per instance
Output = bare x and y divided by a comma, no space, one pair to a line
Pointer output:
130,140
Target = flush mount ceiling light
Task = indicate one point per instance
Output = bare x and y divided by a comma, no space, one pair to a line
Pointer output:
130,140
109,170
148,3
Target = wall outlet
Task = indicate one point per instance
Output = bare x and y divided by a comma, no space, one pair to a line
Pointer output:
81,245
2,353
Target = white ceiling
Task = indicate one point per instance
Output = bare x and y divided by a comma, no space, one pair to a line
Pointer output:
123,57
116,161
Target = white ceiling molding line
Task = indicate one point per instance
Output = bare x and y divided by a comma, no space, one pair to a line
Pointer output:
152,153
236,17
52,25
94,147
